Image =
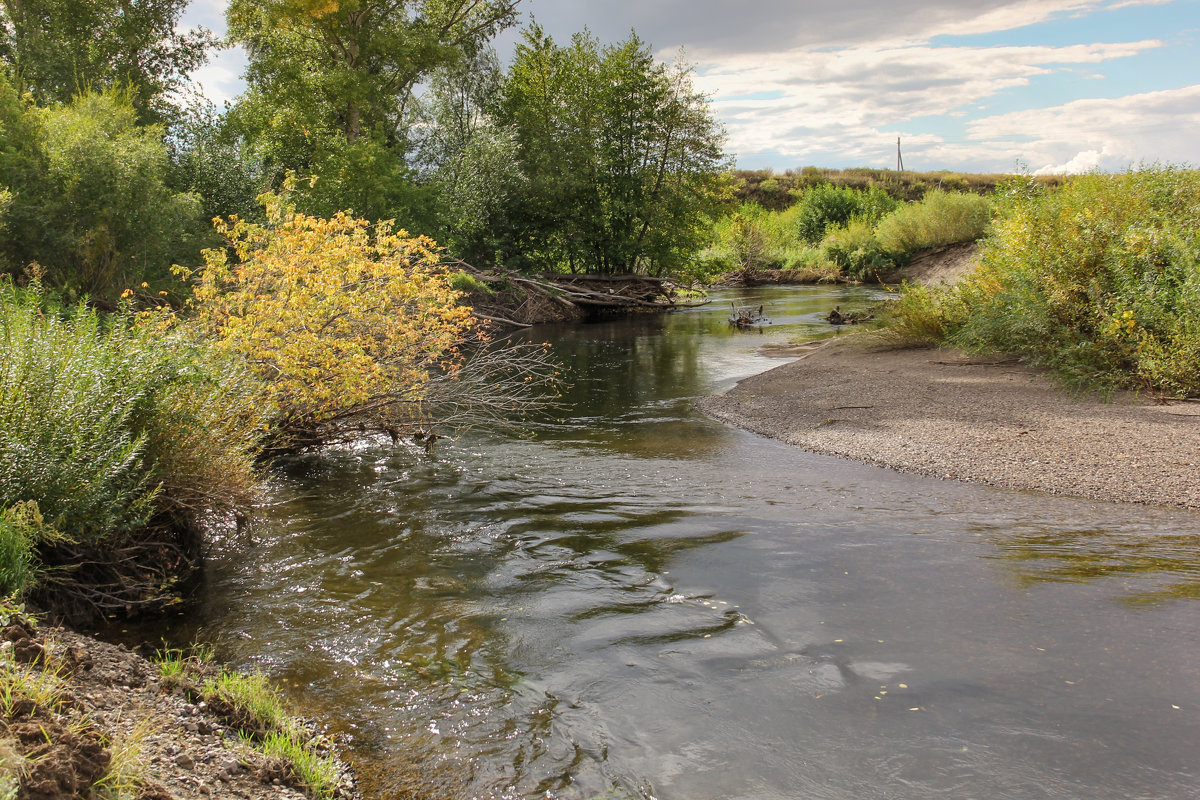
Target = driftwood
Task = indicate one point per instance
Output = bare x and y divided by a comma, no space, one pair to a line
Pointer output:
521,300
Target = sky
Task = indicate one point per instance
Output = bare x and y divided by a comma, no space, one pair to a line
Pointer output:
1046,86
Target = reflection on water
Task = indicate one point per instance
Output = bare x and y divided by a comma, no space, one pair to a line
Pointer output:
1151,567
639,602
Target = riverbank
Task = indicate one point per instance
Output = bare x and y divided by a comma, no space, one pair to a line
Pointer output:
85,718
993,421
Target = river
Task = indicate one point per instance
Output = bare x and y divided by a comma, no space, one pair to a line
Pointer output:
635,601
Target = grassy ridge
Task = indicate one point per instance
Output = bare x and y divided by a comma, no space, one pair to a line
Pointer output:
835,233
1098,280
778,190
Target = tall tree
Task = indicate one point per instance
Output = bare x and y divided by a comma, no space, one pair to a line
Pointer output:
329,88
353,64
622,158
60,48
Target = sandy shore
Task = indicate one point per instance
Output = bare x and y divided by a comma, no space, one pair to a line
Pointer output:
937,412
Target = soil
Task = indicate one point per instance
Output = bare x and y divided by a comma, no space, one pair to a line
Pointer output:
941,264
995,421
187,750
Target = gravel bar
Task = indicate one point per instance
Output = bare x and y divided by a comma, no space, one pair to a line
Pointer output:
940,413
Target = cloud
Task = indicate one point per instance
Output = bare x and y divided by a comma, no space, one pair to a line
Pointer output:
1120,132
826,101
721,27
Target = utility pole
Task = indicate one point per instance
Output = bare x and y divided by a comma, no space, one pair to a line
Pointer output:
899,157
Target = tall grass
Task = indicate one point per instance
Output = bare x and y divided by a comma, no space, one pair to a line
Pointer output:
939,218
1098,280
108,424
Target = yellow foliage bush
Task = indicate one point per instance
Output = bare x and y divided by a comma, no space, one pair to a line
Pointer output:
345,322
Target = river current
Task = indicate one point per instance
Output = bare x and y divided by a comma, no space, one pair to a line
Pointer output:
635,601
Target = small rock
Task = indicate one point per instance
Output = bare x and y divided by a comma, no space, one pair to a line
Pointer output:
185,761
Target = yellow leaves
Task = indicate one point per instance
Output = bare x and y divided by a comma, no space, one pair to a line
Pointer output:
335,314
323,8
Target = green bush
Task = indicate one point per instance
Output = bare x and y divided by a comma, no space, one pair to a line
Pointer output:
106,423
1099,281
90,201
854,248
826,206
940,218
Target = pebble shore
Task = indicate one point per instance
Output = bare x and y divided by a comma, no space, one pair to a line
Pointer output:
994,421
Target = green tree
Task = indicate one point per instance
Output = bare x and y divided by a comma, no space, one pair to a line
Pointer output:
91,203
468,157
330,83
60,48
622,158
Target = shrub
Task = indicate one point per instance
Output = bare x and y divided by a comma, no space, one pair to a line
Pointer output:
1099,280
122,432
940,218
826,206
345,323
854,248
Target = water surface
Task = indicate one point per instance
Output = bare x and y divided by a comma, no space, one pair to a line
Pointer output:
637,601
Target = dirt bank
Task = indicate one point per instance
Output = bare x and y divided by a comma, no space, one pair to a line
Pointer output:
937,412
83,718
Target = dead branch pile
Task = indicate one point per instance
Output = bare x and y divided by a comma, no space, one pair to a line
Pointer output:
522,300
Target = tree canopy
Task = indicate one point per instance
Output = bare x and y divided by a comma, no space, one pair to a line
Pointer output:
60,48
622,158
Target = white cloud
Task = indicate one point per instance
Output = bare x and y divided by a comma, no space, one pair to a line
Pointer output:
802,103
1120,132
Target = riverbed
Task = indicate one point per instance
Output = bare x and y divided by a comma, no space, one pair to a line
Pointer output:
636,601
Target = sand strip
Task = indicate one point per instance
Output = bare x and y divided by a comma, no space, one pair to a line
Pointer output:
940,413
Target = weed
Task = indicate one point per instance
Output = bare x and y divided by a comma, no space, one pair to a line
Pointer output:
316,771
126,770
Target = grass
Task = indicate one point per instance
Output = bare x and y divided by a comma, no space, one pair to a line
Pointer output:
317,772
1098,280
176,665
939,218
42,684
12,768
127,769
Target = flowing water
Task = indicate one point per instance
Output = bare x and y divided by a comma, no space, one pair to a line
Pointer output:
637,601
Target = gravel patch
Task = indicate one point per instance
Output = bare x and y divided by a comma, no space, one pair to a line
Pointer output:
940,413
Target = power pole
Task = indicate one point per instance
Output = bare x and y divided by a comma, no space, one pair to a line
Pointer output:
899,157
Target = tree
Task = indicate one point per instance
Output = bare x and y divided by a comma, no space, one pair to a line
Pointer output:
91,203
622,158
60,48
468,157
330,82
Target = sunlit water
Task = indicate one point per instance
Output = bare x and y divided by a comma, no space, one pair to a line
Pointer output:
637,601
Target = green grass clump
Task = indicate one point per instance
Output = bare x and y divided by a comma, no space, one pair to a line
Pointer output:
1098,280
109,423
253,695
940,218
317,772
176,665
468,284
268,725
